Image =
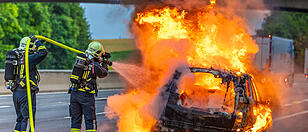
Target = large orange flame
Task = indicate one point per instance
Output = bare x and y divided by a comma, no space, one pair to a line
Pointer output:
200,37
263,118
213,39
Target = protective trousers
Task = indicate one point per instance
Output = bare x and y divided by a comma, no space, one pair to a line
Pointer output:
20,99
82,103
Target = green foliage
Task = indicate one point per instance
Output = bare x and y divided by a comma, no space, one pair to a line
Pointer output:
63,22
8,28
121,55
292,25
112,45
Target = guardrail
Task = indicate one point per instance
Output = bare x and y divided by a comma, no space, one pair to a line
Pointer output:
59,80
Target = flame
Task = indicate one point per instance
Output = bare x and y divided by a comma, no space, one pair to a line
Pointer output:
203,90
181,92
263,118
127,112
167,23
212,4
207,81
199,37
205,34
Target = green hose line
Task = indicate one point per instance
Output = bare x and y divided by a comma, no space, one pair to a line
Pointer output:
28,86
27,72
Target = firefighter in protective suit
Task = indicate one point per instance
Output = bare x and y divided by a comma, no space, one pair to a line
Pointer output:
37,53
87,68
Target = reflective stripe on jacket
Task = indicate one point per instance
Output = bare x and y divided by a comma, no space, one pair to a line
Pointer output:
34,59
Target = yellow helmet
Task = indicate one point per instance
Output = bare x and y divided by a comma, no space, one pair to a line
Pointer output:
95,49
23,44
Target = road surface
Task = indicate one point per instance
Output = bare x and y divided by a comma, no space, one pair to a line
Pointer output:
293,114
52,112
53,116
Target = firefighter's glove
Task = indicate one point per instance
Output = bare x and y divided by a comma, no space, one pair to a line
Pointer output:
38,43
110,63
106,55
33,38
104,65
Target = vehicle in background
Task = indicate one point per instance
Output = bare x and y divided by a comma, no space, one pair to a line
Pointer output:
306,63
276,55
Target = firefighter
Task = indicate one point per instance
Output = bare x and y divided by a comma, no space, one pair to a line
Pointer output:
37,53
83,88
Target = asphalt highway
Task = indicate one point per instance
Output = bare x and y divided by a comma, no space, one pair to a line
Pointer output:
52,112
293,114
53,115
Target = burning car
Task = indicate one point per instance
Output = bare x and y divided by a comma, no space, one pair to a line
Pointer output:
239,109
198,34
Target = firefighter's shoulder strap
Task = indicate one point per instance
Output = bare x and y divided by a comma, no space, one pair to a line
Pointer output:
21,65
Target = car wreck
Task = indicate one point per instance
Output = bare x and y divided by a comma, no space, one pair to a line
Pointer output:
244,98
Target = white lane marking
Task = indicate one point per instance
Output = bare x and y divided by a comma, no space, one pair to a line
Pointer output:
99,113
105,90
116,89
286,105
6,95
51,93
54,104
102,113
296,83
295,102
101,98
292,115
4,106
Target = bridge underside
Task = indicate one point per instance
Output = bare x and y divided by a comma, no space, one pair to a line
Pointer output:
282,5
287,5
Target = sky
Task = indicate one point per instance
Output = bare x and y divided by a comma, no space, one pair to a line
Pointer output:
109,21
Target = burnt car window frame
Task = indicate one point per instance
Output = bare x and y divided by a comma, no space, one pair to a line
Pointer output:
256,98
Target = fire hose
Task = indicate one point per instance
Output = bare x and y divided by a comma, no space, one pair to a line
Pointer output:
27,72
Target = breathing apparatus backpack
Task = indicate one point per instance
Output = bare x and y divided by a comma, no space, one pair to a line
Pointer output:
13,59
77,77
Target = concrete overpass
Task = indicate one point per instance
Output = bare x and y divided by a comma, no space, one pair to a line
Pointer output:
283,5
287,5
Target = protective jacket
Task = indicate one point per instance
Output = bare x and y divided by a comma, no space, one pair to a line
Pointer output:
19,89
34,59
90,70
83,88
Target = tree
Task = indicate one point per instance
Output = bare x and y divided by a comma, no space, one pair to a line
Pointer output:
63,22
70,27
9,27
292,25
